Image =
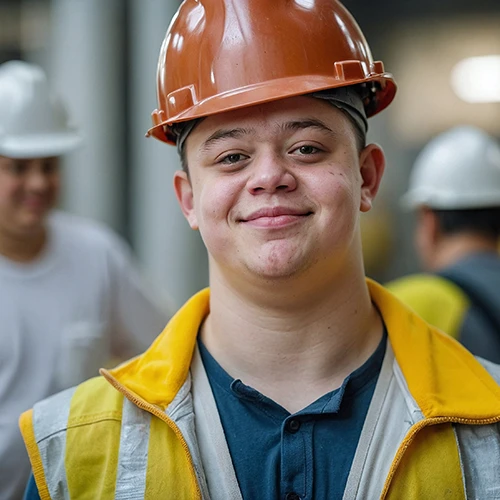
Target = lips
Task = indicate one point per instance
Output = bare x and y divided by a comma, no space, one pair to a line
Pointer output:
36,203
276,212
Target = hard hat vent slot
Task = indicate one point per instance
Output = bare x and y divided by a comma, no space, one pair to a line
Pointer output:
351,70
180,100
378,67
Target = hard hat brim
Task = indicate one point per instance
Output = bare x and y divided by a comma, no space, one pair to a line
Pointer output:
268,92
39,145
411,201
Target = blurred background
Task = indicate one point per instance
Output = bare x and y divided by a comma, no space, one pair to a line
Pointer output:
101,56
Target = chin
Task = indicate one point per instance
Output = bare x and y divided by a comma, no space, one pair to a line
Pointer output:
32,225
279,261
276,272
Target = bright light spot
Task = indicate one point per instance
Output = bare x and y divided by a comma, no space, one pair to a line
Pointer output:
306,4
477,79
178,41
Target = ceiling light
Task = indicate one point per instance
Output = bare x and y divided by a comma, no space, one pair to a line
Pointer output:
477,79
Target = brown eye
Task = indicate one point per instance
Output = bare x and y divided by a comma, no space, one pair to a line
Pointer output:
18,167
50,166
307,150
232,158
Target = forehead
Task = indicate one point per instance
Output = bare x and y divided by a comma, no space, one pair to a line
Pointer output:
273,115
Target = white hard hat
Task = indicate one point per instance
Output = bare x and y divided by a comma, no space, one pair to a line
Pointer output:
459,169
33,122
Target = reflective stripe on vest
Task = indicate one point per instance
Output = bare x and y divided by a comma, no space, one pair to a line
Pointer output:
51,434
480,455
47,425
480,452
133,455
93,441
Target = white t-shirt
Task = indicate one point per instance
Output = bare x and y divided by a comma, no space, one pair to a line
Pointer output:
62,317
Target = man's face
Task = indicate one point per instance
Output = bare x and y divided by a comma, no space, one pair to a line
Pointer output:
28,190
275,189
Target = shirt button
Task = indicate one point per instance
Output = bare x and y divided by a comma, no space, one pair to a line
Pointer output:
292,426
292,496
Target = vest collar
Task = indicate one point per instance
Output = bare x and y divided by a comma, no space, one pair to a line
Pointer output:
443,377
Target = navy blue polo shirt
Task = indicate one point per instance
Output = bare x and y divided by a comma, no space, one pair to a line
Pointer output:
306,455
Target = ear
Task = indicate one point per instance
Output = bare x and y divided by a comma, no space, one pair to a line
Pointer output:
184,193
372,165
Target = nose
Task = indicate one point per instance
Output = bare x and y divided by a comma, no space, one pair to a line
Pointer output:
38,180
271,174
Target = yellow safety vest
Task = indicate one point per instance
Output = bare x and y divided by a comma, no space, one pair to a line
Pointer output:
130,434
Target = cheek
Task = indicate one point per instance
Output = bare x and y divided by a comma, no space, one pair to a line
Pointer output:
55,184
217,197
55,188
338,190
9,193
421,242
9,207
214,205
338,197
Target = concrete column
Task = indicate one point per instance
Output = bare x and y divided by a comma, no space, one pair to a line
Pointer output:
86,64
172,254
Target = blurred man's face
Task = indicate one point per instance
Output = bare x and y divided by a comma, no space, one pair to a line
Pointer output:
28,191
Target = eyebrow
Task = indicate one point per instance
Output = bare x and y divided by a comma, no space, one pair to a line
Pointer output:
308,123
236,133
220,135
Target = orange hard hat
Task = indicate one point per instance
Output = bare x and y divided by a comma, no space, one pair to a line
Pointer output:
220,55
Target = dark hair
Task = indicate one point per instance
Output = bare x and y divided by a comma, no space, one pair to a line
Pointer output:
481,221
360,136
182,155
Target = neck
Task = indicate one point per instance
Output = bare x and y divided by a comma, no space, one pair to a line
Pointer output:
24,247
453,248
293,347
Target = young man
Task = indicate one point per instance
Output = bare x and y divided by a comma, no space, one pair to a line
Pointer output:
293,377
70,297
455,190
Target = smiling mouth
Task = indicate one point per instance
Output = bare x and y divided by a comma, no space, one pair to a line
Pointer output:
275,220
35,204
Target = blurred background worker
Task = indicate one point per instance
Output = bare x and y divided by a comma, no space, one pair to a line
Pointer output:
70,297
455,189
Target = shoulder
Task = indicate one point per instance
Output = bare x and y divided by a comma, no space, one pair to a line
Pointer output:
419,286
439,301
70,229
492,368
91,402
82,423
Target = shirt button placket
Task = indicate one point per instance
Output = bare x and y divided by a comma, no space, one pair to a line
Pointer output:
292,426
293,467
